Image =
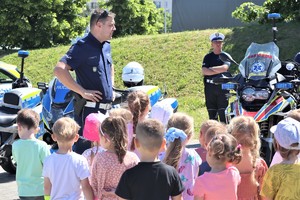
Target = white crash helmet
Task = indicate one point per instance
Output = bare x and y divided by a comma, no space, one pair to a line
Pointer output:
133,74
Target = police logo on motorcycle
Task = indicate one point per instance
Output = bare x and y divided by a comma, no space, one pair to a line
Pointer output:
258,67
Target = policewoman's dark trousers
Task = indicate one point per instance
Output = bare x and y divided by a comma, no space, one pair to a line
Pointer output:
216,101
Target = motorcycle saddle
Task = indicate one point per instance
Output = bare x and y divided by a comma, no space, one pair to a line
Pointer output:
7,116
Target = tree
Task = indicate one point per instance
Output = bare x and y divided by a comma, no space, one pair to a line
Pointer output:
40,24
249,12
136,17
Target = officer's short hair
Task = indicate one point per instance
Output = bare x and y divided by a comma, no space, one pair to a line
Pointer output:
100,15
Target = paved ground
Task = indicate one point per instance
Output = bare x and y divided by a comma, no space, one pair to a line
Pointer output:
8,185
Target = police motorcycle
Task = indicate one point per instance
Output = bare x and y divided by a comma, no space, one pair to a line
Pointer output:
265,89
58,100
22,95
8,74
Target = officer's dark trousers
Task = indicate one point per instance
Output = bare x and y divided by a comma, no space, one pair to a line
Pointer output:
216,101
81,145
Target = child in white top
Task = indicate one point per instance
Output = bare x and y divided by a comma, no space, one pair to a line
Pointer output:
223,179
185,160
66,172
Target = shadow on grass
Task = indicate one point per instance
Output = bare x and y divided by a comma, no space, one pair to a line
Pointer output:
6,52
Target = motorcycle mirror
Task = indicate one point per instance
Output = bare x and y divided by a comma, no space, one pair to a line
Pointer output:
226,57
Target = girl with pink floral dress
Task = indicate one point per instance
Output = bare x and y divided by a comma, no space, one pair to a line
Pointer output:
109,165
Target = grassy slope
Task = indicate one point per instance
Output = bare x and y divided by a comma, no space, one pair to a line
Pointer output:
172,59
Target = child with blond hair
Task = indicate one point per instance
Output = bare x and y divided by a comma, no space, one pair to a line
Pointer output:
109,165
151,179
282,180
223,179
209,135
29,153
203,129
186,161
121,112
252,167
66,172
295,114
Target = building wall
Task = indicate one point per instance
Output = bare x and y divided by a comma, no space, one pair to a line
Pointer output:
204,14
167,4
92,4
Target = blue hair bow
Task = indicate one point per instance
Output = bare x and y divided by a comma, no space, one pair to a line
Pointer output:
174,133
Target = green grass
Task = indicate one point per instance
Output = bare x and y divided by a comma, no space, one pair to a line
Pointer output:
173,59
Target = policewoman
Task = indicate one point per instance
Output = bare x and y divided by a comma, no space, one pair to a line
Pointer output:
91,60
215,98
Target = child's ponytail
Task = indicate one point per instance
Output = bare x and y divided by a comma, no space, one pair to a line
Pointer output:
115,128
136,107
174,138
224,148
138,101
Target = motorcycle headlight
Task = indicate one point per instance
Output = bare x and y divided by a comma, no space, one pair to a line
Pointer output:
250,94
262,94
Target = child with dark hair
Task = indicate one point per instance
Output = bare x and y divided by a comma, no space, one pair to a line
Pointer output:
150,179
29,153
109,165
282,180
139,105
223,179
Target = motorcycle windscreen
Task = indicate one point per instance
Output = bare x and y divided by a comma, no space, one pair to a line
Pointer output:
261,61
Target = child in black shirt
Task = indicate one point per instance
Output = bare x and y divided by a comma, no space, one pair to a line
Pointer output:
150,179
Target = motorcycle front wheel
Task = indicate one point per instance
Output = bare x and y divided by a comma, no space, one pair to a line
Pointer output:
9,165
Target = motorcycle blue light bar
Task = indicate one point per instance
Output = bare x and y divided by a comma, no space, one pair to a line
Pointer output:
284,85
23,53
228,86
274,16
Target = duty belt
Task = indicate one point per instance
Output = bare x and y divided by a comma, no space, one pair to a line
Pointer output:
209,81
103,106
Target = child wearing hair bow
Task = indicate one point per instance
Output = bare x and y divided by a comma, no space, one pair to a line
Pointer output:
185,160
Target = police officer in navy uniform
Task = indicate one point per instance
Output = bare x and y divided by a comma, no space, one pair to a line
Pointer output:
215,98
91,60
